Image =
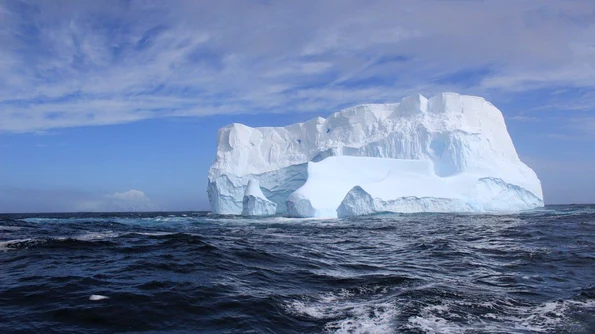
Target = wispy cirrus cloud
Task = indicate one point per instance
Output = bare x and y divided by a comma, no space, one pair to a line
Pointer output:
80,63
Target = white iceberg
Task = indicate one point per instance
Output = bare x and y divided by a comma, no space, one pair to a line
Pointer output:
451,153
255,203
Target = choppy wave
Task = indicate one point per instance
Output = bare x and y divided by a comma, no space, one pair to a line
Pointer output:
502,317
194,272
361,311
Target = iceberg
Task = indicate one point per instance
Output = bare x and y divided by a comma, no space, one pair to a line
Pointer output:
449,153
255,203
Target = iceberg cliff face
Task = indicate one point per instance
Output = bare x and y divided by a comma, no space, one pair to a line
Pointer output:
448,153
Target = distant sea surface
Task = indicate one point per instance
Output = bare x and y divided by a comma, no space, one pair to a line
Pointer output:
191,272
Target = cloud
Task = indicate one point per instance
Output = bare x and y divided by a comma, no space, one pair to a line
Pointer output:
68,200
131,200
80,63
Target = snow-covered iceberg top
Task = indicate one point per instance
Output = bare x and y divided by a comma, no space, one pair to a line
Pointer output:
449,153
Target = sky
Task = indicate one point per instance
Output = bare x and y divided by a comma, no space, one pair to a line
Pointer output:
115,105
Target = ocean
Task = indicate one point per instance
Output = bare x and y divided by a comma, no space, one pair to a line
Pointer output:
193,272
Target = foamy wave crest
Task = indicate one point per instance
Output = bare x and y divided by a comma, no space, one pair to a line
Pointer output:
10,244
347,312
90,236
35,242
153,234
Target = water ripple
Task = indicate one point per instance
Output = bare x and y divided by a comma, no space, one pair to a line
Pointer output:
195,272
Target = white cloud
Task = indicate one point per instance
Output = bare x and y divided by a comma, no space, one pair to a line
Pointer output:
19,199
80,63
131,200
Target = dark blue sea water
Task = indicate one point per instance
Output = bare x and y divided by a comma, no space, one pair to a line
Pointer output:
193,272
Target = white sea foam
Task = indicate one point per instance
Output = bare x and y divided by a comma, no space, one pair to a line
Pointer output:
538,319
154,234
367,319
97,297
39,220
354,314
90,236
5,245
65,220
238,220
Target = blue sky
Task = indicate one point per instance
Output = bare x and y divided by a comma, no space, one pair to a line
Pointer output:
109,105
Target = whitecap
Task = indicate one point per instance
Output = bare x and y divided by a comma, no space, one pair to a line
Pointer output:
544,317
369,319
5,245
356,314
98,297
154,234
90,236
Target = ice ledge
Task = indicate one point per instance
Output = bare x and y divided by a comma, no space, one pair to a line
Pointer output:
491,195
255,203
345,186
